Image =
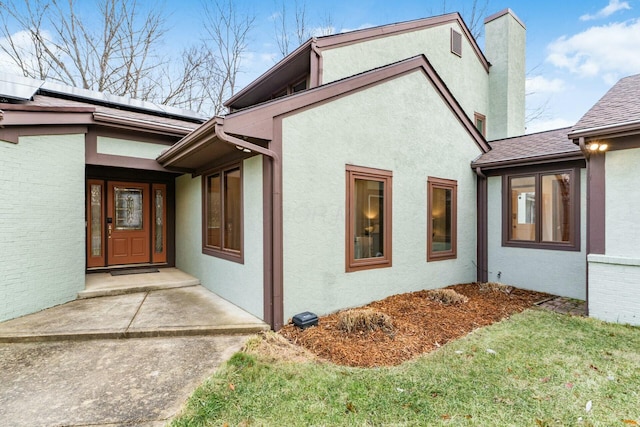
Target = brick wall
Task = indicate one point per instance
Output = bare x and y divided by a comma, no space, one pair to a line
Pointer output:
42,231
614,289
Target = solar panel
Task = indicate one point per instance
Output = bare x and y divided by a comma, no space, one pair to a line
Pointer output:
18,87
23,89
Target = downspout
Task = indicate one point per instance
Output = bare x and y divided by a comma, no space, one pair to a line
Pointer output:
587,155
275,316
482,274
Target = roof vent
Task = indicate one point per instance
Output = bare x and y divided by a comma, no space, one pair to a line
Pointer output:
456,42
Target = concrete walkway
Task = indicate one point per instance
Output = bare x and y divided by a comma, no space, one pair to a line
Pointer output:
184,311
69,365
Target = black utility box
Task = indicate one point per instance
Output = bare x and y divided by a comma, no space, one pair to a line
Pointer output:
304,320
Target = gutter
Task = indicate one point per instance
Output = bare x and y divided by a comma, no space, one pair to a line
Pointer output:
560,157
606,130
144,124
241,143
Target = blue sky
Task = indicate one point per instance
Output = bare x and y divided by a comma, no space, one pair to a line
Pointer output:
575,49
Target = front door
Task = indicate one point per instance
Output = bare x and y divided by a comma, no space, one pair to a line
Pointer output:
125,223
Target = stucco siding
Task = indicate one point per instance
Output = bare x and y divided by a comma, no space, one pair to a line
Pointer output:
129,148
505,41
241,284
42,223
556,272
465,76
614,289
414,139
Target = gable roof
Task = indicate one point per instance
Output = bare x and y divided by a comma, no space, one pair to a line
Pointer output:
529,149
256,123
306,58
618,111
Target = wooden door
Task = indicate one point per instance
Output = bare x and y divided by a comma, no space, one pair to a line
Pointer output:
128,223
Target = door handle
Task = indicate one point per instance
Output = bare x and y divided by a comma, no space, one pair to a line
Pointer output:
109,230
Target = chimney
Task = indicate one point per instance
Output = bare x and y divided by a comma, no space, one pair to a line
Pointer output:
505,36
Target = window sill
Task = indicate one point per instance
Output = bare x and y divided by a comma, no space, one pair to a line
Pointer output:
368,265
544,246
234,256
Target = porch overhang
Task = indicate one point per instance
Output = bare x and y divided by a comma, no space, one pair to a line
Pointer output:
210,146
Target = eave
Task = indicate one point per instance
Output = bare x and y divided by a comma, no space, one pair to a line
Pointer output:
314,47
529,161
213,143
607,131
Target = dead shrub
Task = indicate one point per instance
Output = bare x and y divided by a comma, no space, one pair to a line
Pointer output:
496,287
447,296
364,320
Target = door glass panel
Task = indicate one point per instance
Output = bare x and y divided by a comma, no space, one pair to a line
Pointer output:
128,212
96,220
159,208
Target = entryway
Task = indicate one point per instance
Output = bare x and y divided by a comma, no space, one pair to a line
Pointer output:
126,223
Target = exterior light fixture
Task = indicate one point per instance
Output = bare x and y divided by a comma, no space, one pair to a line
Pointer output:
597,146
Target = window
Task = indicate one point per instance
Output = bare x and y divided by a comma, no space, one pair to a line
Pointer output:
442,221
290,89
456,42
368,240
542,210
222,219
480,122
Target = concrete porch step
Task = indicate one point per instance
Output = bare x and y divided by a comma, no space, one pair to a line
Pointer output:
104,284
186,311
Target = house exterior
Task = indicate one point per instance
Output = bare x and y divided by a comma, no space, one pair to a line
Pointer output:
356,185
62,152
609,136
364,164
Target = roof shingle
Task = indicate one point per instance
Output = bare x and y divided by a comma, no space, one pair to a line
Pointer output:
618,106
527,148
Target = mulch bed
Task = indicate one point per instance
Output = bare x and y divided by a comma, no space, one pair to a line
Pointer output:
420,325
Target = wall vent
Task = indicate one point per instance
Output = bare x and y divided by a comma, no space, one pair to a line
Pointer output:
456,42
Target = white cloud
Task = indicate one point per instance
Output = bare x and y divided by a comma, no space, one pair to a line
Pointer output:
23,44
608,10
322,31
608,51
540,84
361,27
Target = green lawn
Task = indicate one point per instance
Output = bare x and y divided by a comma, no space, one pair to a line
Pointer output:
536,369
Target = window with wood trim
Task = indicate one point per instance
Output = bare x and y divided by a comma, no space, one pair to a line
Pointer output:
292,88
480,122
456,42
222,213
368,235
541,210
442,212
